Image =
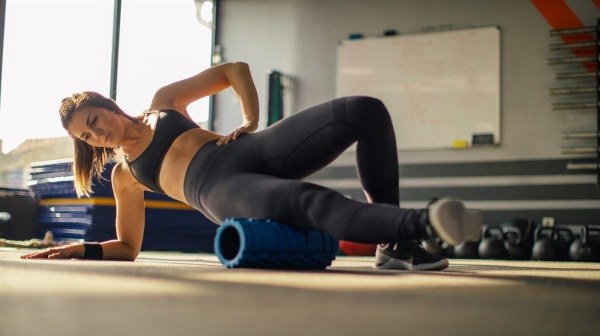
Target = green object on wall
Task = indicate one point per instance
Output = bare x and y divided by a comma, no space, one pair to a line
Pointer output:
275,112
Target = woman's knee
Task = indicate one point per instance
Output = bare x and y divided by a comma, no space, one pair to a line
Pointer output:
368,111
365,103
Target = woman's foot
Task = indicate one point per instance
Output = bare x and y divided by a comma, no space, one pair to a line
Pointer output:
407,255
454,223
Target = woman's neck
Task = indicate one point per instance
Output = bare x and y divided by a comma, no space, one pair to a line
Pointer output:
133,135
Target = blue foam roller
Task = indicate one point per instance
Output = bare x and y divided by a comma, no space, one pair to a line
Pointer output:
263,243
314,242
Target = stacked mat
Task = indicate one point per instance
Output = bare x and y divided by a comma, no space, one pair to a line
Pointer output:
54,179
170,225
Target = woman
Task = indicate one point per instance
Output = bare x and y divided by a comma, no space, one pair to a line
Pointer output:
255,175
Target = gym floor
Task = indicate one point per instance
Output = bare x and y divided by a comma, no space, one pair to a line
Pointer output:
183,294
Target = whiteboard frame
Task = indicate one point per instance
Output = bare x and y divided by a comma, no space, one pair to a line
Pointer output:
422,140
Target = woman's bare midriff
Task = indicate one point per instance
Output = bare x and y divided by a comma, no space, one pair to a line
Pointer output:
178,158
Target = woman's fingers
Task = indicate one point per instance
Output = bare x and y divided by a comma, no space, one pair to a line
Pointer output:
229,137
235,134
57,254
222,141
52,253
42,254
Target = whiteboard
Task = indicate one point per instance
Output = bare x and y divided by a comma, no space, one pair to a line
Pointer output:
441,88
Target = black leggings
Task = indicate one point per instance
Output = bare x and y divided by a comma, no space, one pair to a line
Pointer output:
258,175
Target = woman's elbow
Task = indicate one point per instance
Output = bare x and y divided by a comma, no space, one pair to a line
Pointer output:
129,252
131,258
133,254
239,67
163,96
239,64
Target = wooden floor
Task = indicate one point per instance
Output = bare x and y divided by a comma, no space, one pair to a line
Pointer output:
188,294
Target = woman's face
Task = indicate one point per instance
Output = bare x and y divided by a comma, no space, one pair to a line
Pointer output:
96,126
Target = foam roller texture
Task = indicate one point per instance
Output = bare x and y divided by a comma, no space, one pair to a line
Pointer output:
263,243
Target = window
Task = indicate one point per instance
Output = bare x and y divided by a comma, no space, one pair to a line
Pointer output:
51,49
160,42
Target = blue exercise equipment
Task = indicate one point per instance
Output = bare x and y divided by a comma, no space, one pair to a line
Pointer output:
263,243
168,226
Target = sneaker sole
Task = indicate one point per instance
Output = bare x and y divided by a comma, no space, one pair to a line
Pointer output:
453,223
397,264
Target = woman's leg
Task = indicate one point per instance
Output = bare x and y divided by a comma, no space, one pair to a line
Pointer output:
307,141
308,206
311,139
254,176
235,180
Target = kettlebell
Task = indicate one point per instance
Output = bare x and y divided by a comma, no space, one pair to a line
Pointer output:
526,228
5,225
492,245
513,242
467,250
563,237
448,250
543,248
585,249
433,246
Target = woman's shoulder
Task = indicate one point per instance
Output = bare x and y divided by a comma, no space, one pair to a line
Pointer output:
119,169
123,183
121,174
148,117
122,178
152,114
163,104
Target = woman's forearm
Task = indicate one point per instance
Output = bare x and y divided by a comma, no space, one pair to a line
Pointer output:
118,250
111,250
240,79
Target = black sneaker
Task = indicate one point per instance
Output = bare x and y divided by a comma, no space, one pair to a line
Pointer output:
407,255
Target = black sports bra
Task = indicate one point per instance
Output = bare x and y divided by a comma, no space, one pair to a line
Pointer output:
146,167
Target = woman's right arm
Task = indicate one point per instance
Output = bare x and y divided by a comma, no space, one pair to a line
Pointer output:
129,196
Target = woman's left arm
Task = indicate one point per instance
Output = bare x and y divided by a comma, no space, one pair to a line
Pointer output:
236,75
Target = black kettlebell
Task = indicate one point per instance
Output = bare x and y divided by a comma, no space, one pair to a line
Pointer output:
543,248
513,242
585,249
448,250
467,250
526,228
5,225
563,237
433,246
492,245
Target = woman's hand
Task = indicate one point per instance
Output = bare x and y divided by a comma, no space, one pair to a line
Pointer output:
63,252
247,127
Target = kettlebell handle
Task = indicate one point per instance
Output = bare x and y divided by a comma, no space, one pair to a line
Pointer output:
510,230
585,232
492,231
556,233
540,230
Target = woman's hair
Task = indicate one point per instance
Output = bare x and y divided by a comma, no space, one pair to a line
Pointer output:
88,160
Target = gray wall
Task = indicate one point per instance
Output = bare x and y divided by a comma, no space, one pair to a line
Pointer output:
299,37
